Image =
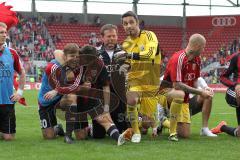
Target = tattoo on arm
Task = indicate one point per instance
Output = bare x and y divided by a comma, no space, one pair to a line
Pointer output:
166,84
186,88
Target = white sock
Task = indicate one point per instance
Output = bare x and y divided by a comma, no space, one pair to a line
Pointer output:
207,132
205,129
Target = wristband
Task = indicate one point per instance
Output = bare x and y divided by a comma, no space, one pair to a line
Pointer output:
106,108
20,92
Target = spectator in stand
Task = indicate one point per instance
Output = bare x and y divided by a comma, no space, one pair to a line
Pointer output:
59,37
93,39
97,21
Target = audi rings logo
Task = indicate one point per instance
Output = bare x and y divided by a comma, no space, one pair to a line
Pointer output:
224,21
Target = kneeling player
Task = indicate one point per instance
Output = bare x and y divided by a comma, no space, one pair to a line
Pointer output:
196,104
47,100
100,114
230,78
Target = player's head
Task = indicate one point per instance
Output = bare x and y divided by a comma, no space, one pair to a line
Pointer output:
88,50
130,24
3,33
58,55
88,54
71,53
196,45
109,35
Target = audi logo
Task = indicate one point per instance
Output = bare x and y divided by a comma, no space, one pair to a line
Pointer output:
224,21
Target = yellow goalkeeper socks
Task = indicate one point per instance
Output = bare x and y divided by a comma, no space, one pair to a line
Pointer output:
175,110
166,123
133,118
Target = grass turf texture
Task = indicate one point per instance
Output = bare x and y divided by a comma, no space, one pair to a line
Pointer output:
30,145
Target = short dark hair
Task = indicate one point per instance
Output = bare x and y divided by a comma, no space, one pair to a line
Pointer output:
88,49
130,14
71,48
108,27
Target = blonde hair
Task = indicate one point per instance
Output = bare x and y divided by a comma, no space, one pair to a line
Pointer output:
71,48
197,39
3,25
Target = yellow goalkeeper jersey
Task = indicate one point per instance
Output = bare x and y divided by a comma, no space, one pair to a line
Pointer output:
145,73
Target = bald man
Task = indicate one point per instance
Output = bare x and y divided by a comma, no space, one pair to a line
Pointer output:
183,70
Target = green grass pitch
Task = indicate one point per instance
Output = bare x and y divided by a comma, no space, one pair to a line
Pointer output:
30,145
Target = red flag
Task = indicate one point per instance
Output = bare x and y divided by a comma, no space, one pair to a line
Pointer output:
7,16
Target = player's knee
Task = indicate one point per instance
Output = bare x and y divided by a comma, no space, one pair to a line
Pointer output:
183,130
104,119
8,137
132,98
48,134
184,134
131,101
180,94
81,134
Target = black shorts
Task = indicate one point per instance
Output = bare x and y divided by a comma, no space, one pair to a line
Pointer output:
231,97
194,106
47,115
80,120
7,119
91,107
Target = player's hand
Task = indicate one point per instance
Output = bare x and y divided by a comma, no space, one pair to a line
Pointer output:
15,97
120,57
154,132
238,131
124,69
87,84
50,95
206,94
237,90
210,90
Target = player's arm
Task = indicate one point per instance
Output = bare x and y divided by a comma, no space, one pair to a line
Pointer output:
103,80
18,67
225,77
67,89
176,77
106,97
186,88
151,47
149,50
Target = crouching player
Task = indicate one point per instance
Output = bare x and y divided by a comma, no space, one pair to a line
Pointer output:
196,105
231,79
47,100
93,71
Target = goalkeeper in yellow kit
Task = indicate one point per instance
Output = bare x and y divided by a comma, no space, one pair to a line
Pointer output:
142,53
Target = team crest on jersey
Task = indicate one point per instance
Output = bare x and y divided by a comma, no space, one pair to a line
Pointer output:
142,48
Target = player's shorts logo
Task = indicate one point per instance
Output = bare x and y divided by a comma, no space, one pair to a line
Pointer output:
224,21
